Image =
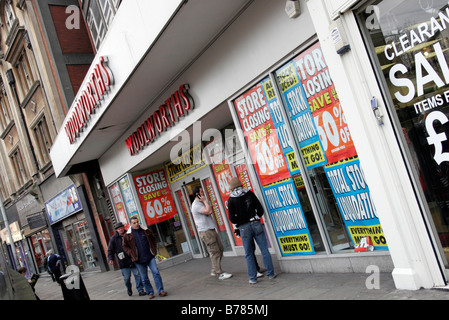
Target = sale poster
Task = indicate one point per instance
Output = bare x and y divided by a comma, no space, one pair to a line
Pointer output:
119,205
260,134
155,196
354,201
323,102
288,218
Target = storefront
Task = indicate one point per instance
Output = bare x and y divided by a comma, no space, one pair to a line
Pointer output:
271,107
72,229
395,64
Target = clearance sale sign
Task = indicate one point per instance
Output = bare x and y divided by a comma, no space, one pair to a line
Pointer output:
155,196
260,134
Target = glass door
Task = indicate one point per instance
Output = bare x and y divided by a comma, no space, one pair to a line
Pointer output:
192,235
73,250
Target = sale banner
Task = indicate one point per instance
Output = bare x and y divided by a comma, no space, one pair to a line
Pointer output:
280,124
324,104
288,218
119,205
301,119
155,196
260,135
354,201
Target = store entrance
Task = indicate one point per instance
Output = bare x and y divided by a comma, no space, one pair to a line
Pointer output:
78,245
185,197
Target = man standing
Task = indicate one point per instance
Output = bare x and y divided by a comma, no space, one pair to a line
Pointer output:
141,246
53,261
202,214
124,261
245,211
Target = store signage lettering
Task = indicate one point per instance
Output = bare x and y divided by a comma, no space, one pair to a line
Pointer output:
424,71
164,117
100,81
426,74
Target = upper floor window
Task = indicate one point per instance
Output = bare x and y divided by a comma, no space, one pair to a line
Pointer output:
3,193
5,111
25,77
43,139
9,14
99,16
18,167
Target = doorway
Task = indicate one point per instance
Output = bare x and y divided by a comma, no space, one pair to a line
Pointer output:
185,197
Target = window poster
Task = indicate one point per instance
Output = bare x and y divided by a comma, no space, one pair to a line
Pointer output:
354,201
155,196
271,151
117,199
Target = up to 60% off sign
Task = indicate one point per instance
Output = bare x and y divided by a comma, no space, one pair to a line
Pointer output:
159,207
268,155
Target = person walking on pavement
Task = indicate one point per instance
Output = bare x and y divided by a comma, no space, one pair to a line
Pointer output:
202,214
53,263
125,263
245,211
139,243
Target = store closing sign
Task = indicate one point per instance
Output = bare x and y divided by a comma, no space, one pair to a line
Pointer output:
155,196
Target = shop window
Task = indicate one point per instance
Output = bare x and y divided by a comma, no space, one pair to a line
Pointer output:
409,43
318,202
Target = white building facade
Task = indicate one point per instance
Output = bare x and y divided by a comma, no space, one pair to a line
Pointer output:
192,93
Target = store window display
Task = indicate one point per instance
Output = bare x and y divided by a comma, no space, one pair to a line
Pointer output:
319,202
409,42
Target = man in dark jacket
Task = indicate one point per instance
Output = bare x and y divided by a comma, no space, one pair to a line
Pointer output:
124,261
139,243
53,262
245,211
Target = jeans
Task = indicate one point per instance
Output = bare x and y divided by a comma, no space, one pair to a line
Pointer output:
126,273
156,276
248,232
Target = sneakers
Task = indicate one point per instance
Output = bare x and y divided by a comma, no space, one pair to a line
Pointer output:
224,276
259,275
252,281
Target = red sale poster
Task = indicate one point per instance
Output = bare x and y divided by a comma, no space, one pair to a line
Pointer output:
325,106
260,134
155,196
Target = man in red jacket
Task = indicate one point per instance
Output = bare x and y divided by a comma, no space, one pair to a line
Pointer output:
139,243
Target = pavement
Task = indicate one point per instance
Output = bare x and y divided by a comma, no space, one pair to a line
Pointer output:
191,280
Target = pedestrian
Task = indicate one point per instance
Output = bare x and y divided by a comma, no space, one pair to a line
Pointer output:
126,265
245,210
202,214
32,281
53,264
140,244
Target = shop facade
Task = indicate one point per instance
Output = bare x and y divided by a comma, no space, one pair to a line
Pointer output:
263,105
